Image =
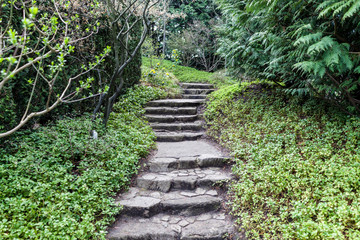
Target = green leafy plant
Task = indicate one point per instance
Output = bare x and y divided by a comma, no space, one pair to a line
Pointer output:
58,182
296,163
311,46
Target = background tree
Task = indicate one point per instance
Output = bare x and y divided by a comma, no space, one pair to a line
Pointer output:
51,54
310,46
36,40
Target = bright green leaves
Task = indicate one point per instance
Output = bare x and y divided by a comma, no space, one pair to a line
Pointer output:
56,183
307,39
324,53
324,44
268,39
296,162
344,8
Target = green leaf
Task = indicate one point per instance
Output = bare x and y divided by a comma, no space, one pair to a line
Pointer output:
324,44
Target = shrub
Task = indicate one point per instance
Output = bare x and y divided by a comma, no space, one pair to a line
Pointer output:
58,183
296,163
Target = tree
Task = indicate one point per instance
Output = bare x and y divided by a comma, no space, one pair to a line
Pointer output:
310,46
54,44
36,40
123,23
198,45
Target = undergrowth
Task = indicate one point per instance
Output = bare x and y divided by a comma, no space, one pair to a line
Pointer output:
188,74
58,183
297,163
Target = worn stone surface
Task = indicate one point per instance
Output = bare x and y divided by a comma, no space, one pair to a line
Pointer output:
186,149
161,227
194,96
192,126
140,202
202,161
197,86
194,91
182,179
177,136
171,118
171,110
174,198
176,103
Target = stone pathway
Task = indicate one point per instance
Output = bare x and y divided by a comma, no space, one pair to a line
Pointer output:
178,195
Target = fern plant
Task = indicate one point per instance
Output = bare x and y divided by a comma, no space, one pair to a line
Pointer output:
313,46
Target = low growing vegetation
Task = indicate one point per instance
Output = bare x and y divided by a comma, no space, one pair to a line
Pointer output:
297,163
188,74
58,183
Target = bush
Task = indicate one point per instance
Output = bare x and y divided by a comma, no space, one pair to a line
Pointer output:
312,46
297,163
58,183
188,74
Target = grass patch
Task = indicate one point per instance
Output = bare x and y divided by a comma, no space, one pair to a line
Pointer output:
57,183
188,74
297,163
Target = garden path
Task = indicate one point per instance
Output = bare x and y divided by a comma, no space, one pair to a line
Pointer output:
179,194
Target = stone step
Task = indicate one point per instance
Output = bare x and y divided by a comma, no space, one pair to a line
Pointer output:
170,164
176,103
197,91
195,126
196,96
197,85
171,118
209,226
178,136
144,203
188,179
171,110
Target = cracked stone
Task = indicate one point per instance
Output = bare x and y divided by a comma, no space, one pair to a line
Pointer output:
212,193
183,223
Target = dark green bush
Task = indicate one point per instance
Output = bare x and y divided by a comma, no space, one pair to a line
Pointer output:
58,183
311,46
297,163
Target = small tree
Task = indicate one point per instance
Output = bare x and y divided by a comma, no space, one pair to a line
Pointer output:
124,18
36,39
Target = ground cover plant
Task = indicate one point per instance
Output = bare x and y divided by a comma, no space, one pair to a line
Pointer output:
297,163
58,183
188,74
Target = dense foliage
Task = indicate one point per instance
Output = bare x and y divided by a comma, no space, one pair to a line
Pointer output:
297,163
311,46
51,53
188,74
58,183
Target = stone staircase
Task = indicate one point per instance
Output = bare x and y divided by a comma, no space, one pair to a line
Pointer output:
178,195
176,120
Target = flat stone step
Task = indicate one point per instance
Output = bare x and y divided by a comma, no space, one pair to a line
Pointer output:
197,91
210,226
178,136
188,179
171,118
196,96
171,110
144,203
176,103
197,85
164,164
195,126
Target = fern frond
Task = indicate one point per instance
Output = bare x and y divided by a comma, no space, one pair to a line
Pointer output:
335,7
357,70
355,8
314,37
324,44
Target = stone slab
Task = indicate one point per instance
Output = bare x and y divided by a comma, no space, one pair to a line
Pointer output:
186,149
